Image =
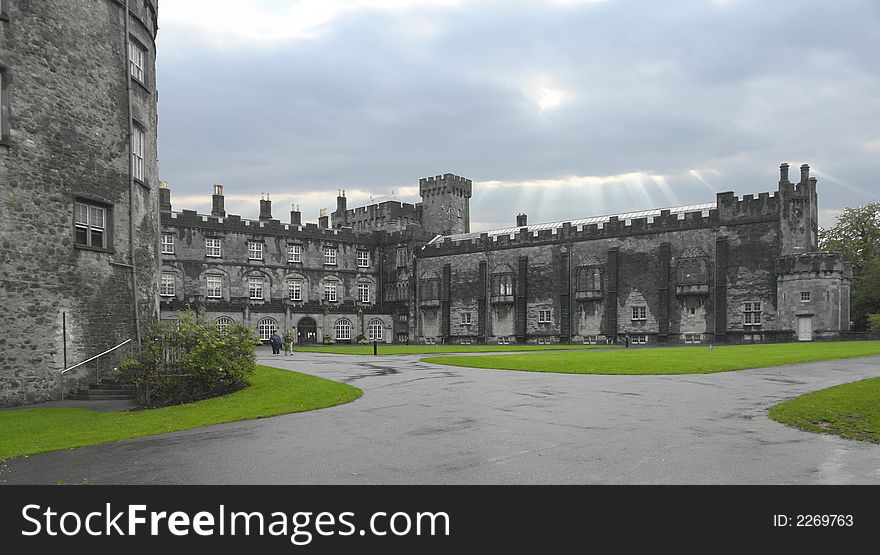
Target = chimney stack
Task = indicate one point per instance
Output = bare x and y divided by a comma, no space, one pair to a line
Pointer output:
805,173
340,201
295,215
522,220
323,219
164,197
217,209
265,208
783,174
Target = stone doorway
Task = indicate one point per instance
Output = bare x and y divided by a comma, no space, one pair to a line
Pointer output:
307,331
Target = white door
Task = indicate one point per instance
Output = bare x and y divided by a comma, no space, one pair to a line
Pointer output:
805,328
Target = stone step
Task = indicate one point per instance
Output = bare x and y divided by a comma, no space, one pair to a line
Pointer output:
92,396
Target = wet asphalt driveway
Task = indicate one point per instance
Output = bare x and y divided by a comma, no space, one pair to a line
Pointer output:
420,423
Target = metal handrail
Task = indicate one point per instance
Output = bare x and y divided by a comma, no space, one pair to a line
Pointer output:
124,343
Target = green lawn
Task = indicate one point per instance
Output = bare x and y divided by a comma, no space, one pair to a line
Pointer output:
431,349
850,410
272,392
674,360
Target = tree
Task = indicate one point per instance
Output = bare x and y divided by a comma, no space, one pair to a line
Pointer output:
856,235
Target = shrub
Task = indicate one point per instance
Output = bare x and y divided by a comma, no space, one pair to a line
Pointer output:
191,361
329,340
874,323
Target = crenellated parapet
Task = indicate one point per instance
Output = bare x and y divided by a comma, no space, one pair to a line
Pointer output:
748,207
814,264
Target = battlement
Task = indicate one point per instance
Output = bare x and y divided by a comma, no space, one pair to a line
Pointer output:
603,227
445,184
237,224
814,263
731,207
383,208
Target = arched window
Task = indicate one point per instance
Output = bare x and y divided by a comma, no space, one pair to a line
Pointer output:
267,327
343,329
503,282
375,330
429,288
224,322
692,271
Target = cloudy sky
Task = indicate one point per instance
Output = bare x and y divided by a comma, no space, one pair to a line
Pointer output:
557,108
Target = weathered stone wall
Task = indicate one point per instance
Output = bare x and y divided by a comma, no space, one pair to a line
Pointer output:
66,137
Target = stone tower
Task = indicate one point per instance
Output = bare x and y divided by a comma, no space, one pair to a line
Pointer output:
445,204
799,217
79,228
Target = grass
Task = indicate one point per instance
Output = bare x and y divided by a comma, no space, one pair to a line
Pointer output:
431,349
850,410
681,360
272,392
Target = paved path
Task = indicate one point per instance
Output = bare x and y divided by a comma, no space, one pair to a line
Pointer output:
420,423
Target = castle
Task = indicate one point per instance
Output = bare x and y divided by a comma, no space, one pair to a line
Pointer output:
736,270
91,251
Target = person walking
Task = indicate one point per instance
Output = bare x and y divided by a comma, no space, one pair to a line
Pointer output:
288,342
275,341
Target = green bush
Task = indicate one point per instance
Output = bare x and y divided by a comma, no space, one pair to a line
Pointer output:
329,340
874,323
190,361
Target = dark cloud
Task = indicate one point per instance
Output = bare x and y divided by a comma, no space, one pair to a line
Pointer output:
380,99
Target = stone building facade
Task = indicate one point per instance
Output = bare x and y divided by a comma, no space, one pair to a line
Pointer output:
78,217
737,270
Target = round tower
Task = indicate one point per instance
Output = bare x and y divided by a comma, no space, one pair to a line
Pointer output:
79,229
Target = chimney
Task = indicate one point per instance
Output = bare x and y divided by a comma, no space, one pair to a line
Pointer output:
295,215
217,209
265,208
805,173
783,174
522,220
324,220
340,201
164,197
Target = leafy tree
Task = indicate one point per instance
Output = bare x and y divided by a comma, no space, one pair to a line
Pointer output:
856,235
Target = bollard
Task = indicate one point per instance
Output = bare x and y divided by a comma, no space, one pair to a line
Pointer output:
375,347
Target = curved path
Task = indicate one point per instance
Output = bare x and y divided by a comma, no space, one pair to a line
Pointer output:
421,423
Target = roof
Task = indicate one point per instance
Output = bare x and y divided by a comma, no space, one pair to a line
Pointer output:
704,208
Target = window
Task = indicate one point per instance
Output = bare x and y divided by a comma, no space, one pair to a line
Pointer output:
403,338
212,248
547,340
401,257
752,313
90,225
402,317
294,253
330,256
295,289
343,329
466,340
166,286
639,313
215,287
363,259
375,330
255,250
589,279
330,291
138,138
805,296
638,339
266,328
137,55
504,285
223,324
504,341
466,319
167,243
364,292
255,288
544,316
693,338
591,339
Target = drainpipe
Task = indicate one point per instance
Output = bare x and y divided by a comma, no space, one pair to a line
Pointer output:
131,183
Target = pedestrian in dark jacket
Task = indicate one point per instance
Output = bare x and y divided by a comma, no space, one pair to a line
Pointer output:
275,341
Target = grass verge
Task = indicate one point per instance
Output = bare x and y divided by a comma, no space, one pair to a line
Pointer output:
679,360
850,410
272,392
432,349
